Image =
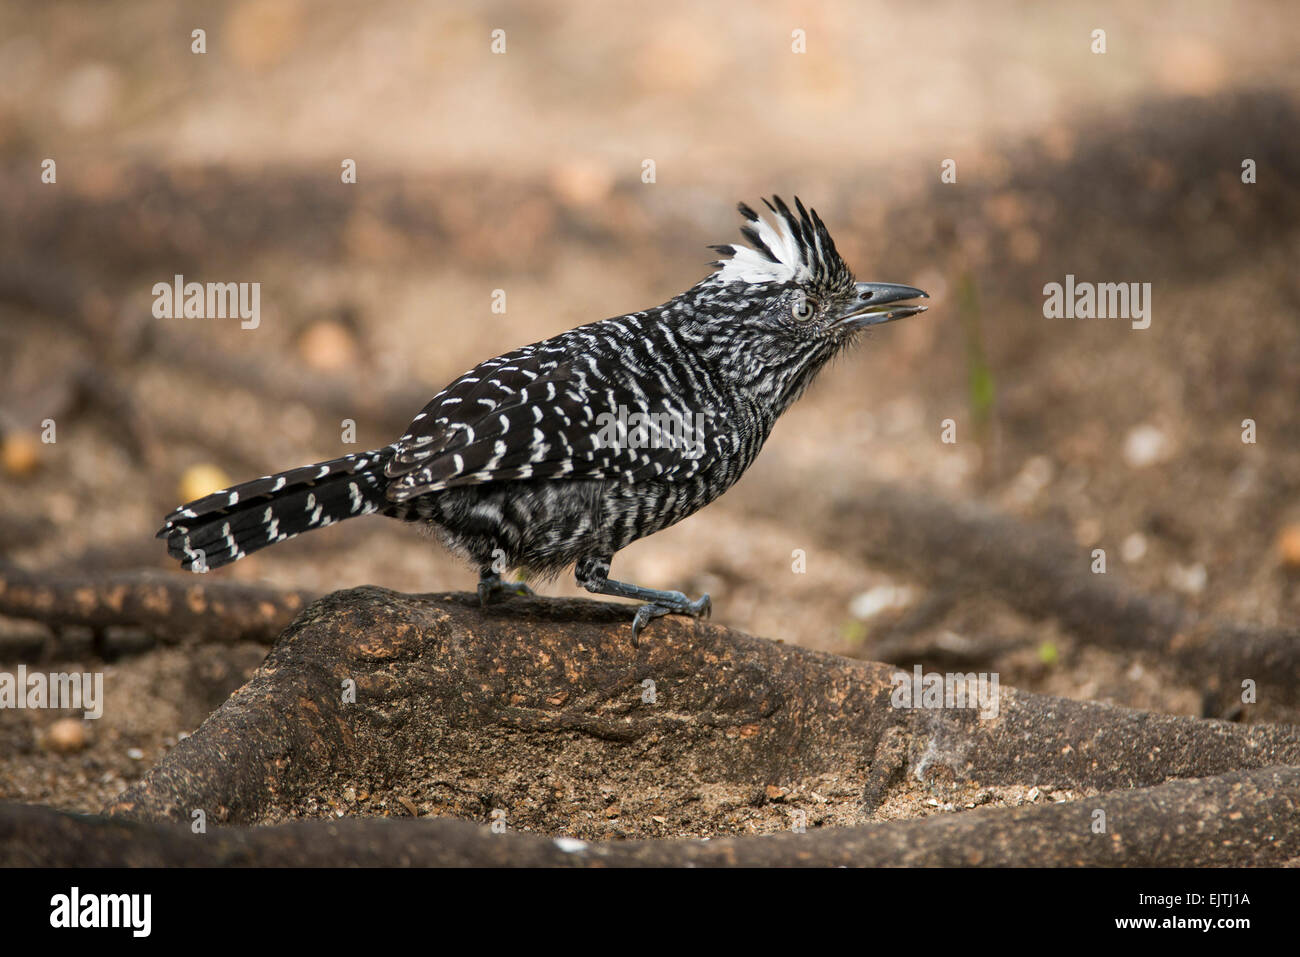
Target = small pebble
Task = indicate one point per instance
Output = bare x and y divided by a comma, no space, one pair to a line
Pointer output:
200,480
872,602
66,736
20,454
1189,579
582,182
328,346
1133,548
1288,545
1087,532
1146,445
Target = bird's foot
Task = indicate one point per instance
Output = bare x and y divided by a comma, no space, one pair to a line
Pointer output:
671,603
492,589
593,574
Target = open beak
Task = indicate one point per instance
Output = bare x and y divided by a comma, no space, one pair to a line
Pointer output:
875,304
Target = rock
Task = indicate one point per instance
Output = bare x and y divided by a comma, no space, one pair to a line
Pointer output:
449,693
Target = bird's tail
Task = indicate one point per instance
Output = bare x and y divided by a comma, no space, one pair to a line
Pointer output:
225,526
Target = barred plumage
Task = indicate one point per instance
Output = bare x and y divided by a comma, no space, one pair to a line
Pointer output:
565,451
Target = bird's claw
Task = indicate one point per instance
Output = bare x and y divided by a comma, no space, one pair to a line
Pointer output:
702,607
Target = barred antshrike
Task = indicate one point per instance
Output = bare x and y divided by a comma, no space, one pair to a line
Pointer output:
565,451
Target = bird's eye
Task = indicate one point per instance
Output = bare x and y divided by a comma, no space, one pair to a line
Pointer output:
803,309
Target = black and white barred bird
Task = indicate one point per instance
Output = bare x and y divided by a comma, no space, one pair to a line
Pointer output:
565,451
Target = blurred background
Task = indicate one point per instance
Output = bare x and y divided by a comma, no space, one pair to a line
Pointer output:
522,171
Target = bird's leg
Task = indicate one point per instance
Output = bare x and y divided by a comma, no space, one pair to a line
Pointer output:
593,575
491,588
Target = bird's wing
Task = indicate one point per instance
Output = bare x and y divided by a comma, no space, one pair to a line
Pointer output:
548,415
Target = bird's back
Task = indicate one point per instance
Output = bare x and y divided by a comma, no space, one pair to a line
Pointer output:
579,443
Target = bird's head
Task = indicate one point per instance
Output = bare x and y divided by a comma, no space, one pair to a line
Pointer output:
780,308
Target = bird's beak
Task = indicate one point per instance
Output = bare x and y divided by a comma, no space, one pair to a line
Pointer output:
871,307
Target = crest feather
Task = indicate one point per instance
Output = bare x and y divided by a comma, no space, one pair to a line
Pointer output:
798,248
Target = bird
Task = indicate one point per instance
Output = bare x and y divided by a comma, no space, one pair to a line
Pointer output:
563,452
